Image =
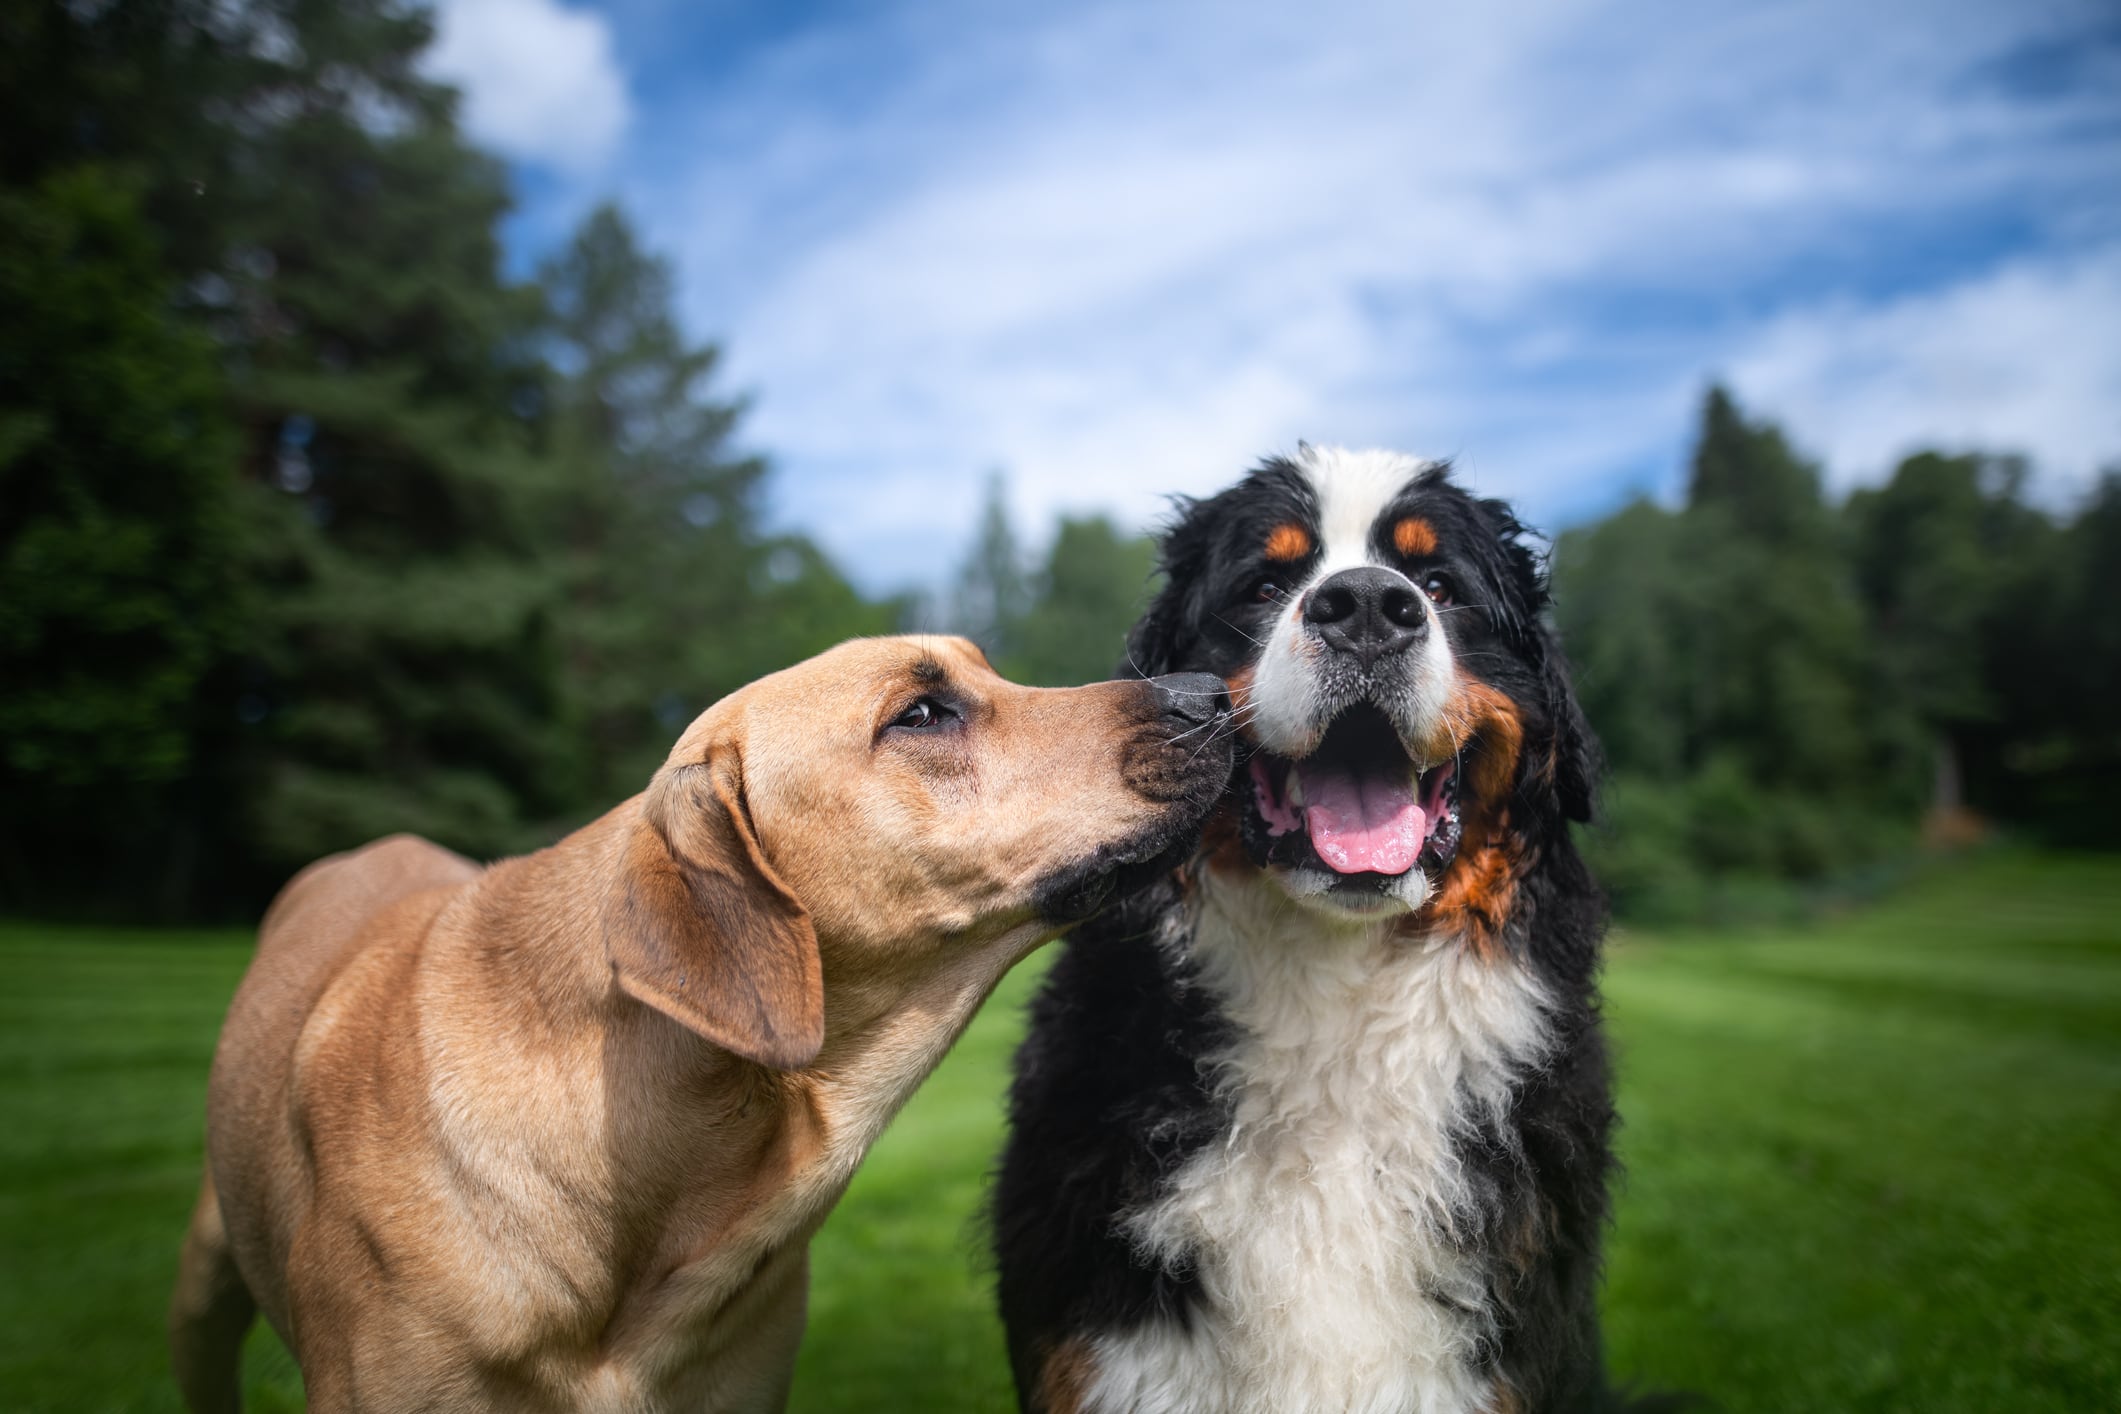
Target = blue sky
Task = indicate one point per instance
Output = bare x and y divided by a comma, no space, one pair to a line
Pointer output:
1121,250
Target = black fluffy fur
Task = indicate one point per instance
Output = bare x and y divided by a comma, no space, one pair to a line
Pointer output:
1109,1098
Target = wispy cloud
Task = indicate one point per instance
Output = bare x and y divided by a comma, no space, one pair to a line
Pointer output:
2026,357
1123,250
540,80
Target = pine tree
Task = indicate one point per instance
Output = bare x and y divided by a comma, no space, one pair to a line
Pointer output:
673,592
1621,602
116,591
1938,552
992,595
1773,635
384,379
1094,583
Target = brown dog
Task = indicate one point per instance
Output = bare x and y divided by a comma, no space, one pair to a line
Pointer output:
554,1134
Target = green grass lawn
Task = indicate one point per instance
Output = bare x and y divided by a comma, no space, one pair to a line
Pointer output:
1874,1164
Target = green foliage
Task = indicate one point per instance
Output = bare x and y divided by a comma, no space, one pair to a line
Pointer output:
1621,593
1715,846
1727,628
1780,683
115,591
402,667
670,594
1094,584
1925,558
2056,659
992,596
1065,621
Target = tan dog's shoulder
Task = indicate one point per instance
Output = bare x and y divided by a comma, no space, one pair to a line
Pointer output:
334,896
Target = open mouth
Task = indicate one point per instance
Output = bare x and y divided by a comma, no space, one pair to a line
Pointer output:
1358,806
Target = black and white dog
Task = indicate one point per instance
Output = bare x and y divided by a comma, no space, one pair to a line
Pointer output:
1320,1123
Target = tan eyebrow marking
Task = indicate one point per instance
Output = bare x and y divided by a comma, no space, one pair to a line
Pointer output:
1414,536
1288,542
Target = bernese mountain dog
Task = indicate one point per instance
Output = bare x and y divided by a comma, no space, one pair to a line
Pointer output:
1320,1122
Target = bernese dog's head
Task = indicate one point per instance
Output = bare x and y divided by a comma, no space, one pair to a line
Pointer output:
1414,738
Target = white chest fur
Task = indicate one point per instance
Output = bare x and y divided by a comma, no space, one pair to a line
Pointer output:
1322,1222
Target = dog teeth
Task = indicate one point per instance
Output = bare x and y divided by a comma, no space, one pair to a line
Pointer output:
1294,788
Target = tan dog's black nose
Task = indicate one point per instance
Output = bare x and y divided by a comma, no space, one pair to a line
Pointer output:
1193,698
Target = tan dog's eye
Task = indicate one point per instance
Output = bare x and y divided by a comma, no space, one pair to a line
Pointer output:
922,715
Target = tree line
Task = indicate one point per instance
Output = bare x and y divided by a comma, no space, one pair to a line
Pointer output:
1789,689
315,524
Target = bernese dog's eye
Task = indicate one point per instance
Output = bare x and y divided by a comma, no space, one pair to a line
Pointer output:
1267,589
1438,587
923,715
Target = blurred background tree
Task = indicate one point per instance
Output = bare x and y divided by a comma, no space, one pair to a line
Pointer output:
670,592
1095,578
1788,690
992,594
119,597
1059,621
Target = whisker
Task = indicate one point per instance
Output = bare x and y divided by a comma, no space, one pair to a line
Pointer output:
1255,642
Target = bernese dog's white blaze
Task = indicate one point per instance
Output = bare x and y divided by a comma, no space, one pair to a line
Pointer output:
1298,690
1325,1228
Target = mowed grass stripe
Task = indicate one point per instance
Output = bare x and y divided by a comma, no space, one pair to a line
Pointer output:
1859,1182
1872,1166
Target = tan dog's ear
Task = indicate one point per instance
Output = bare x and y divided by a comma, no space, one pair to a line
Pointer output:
698,927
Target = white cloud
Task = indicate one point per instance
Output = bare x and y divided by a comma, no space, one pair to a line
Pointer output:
1126,250
541,83
2027,358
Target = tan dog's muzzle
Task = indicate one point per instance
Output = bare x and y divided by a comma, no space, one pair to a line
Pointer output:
1181,758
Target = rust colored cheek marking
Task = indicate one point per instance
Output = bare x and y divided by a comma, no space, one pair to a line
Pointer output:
1478,891
1240,685
1480,887
1505,1399
1414,536
1288,542
1065,1375
1222,846
1485,728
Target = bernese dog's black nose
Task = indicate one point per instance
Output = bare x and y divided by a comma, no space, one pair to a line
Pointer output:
1367,612
1198,698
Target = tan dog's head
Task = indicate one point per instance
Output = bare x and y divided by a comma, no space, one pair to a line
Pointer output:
887,798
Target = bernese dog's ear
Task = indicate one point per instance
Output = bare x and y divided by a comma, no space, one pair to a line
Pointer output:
1577,762
1520,569
1163,636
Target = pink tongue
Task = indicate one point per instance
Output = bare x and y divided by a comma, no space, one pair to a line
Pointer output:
1362,825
